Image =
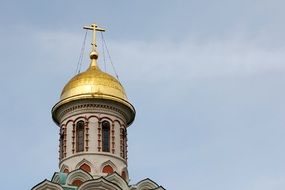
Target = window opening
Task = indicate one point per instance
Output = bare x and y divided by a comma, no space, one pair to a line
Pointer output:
106,136
80,136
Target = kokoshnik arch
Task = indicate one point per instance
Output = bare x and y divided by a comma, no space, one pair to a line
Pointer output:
93,115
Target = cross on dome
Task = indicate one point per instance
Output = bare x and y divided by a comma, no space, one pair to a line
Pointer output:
95,28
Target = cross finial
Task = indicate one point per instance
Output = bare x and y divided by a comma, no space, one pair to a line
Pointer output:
94,27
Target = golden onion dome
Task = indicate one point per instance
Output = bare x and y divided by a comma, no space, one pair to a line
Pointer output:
94,84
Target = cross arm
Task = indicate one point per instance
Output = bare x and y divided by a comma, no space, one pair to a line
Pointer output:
94,28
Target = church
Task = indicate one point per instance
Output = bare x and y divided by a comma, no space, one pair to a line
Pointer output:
93,115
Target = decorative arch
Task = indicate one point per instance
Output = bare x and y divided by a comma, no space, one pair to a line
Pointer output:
118,121
64,169
108,163
44,185
159,188
106,118
91,116
80,118
56,178
69,121
99,183
59,178
146,184
117,179
84,164
76,176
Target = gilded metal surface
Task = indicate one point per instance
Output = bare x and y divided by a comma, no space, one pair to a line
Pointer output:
95,84
93,81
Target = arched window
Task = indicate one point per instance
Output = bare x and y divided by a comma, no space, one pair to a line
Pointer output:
108,169
85,167
80,136
105,136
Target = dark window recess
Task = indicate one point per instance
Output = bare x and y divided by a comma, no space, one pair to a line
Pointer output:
80,136
106,136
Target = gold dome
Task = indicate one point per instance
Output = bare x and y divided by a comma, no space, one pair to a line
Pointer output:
94,84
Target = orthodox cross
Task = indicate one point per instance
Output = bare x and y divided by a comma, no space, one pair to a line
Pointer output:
95,28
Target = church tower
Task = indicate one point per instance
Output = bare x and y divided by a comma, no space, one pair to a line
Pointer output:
93,115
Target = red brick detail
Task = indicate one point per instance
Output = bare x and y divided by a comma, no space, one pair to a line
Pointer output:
85,167
73,137
99,136
65,170
113,138
77,182
87,135
108,169
123,142
64,142
124,176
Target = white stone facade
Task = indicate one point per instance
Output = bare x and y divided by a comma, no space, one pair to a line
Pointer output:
93,113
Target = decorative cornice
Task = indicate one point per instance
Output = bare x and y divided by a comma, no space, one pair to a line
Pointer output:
94,153
90,107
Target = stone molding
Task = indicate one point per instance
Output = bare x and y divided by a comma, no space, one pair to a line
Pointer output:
113,181
80,107
46,184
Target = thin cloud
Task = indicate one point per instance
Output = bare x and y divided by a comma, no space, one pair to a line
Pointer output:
163,60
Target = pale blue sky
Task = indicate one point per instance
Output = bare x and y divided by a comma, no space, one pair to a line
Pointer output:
206,78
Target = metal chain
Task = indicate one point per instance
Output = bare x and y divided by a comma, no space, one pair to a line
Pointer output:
104,44
81,55
103,52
